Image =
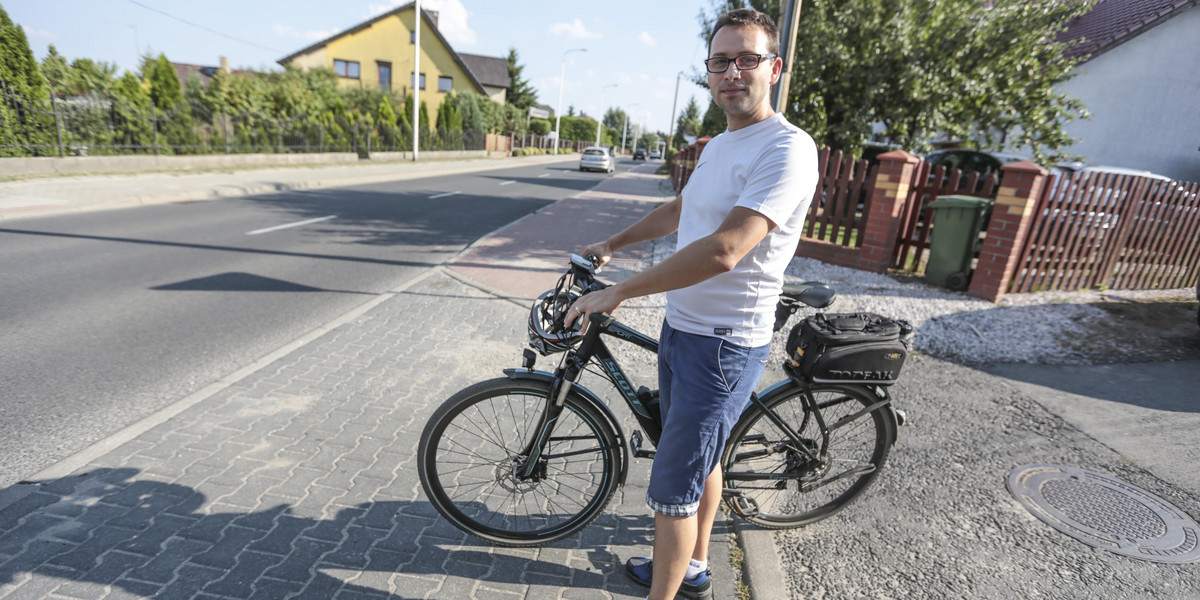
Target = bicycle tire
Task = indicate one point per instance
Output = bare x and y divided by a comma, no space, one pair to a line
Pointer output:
465,464
757,447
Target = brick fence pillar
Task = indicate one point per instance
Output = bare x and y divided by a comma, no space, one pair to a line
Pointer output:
1020,186
885,208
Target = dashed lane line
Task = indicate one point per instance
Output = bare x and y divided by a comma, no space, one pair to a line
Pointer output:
290,225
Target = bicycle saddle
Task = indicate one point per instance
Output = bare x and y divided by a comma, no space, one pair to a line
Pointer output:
812,293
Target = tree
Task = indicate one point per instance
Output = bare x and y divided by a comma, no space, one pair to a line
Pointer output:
982,72
81,77
131,110
688,123
520,92
22,81
165,90
714,120
56,70
19,70
615,117
540,126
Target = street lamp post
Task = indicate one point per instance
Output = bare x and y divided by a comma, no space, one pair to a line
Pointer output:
600,119
625,128
562,81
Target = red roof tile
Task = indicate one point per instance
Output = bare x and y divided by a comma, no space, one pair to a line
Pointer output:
1112,22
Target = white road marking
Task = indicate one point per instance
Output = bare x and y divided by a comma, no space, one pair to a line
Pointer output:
508,182
443,195
289,225
544,175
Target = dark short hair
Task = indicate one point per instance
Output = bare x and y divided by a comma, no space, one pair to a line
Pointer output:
747,17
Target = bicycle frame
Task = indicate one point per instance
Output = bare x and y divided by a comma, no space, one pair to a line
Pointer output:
592,347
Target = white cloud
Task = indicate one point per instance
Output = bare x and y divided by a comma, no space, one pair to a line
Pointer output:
575,30
312,35
452,18
38,33
647,39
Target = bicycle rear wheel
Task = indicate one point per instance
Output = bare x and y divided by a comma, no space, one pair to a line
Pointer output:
779,486
472,444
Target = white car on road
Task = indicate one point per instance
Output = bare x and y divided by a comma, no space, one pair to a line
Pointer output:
597,158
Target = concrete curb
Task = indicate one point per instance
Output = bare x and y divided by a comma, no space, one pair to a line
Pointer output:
233,190
762,569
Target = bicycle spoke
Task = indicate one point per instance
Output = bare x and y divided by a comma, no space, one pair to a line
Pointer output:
470,472
842,462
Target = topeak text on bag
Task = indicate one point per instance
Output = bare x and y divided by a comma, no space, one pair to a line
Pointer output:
849,348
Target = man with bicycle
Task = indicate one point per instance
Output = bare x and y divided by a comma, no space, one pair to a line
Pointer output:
738,222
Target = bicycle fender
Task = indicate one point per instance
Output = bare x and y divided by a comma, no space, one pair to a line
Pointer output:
595,401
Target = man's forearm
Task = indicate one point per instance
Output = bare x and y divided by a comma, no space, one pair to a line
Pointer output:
661,221
702,259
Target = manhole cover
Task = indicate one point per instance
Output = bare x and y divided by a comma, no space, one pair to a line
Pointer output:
1107,513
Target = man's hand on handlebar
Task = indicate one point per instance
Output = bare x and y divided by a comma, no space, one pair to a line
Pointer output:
600,250
600,301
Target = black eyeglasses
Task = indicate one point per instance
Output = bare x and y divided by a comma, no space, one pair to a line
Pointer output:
744,62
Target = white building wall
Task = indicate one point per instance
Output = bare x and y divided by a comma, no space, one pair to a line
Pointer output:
1144,96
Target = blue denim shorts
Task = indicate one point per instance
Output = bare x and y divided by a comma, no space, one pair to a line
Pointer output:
704,383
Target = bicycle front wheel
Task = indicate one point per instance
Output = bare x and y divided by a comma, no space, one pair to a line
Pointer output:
471,447
776,485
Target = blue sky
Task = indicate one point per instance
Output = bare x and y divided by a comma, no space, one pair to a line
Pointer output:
638,45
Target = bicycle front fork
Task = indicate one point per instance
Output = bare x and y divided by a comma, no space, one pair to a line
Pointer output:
564,379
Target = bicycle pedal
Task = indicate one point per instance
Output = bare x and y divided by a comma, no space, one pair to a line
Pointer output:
746,507
635,442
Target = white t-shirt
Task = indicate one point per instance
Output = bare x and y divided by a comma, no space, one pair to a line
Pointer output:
769,167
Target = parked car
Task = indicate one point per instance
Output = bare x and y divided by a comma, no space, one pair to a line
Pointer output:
655,154
639,154
984,162
1102,193
872,150
597,158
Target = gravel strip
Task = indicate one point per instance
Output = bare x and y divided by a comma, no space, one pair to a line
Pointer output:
1083,327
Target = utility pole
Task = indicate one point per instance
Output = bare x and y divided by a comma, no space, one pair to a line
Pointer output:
674,105
789,23
416,119
625,128
562,83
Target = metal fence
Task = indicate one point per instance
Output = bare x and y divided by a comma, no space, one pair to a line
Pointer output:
104,125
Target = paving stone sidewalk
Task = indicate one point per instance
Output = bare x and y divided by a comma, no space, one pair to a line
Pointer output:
299,479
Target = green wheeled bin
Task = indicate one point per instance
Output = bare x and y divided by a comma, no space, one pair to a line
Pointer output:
957,221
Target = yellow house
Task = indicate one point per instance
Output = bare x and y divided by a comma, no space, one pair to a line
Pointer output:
378,54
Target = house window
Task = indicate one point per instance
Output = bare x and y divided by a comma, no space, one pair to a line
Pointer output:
412,37
346,68
445,84
385,76
422,81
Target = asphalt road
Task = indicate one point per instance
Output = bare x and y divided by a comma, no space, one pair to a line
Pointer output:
110,316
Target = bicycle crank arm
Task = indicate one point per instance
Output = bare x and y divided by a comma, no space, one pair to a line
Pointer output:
635,442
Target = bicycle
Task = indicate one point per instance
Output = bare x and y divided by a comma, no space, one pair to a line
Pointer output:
534,457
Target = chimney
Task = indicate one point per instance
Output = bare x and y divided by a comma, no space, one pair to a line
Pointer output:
224,64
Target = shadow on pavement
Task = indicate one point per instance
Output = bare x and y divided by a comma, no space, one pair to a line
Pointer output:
78,534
